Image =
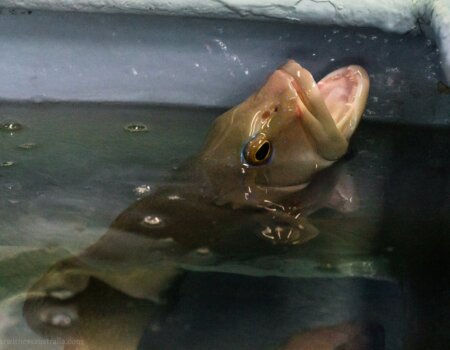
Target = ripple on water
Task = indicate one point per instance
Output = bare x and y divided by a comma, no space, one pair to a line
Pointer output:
11,126
142,190
59,317
136,127
7,163
27,145
152,220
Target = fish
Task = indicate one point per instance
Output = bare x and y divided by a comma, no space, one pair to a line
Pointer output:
285,133
264,169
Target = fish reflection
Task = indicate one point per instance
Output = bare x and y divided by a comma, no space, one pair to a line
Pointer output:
98,318
139,261
253,191
347,336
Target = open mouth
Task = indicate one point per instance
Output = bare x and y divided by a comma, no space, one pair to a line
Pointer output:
342,91
340,96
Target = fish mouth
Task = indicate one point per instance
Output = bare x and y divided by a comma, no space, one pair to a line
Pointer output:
338,98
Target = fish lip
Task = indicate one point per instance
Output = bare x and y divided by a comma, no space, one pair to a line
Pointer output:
301,94
292,81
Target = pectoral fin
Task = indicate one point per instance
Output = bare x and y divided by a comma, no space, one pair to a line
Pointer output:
70,277
344,197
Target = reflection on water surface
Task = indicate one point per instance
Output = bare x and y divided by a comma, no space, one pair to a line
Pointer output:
176,272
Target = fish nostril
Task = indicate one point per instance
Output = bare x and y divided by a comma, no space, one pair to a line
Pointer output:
267,114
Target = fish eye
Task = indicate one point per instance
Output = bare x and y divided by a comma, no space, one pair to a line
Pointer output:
258,150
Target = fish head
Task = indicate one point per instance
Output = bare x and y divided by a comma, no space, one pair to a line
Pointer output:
291,128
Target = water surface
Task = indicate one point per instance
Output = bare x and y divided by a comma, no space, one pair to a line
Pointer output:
71,169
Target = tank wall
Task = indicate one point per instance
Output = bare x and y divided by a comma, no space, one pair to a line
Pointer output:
87,57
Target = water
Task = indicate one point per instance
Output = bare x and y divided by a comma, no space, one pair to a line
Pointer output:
76,167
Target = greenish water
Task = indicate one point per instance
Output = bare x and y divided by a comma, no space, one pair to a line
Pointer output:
84,167
72,169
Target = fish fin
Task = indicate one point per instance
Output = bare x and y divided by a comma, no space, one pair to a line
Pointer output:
344,197
308,230
148,282
70,277
64,280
